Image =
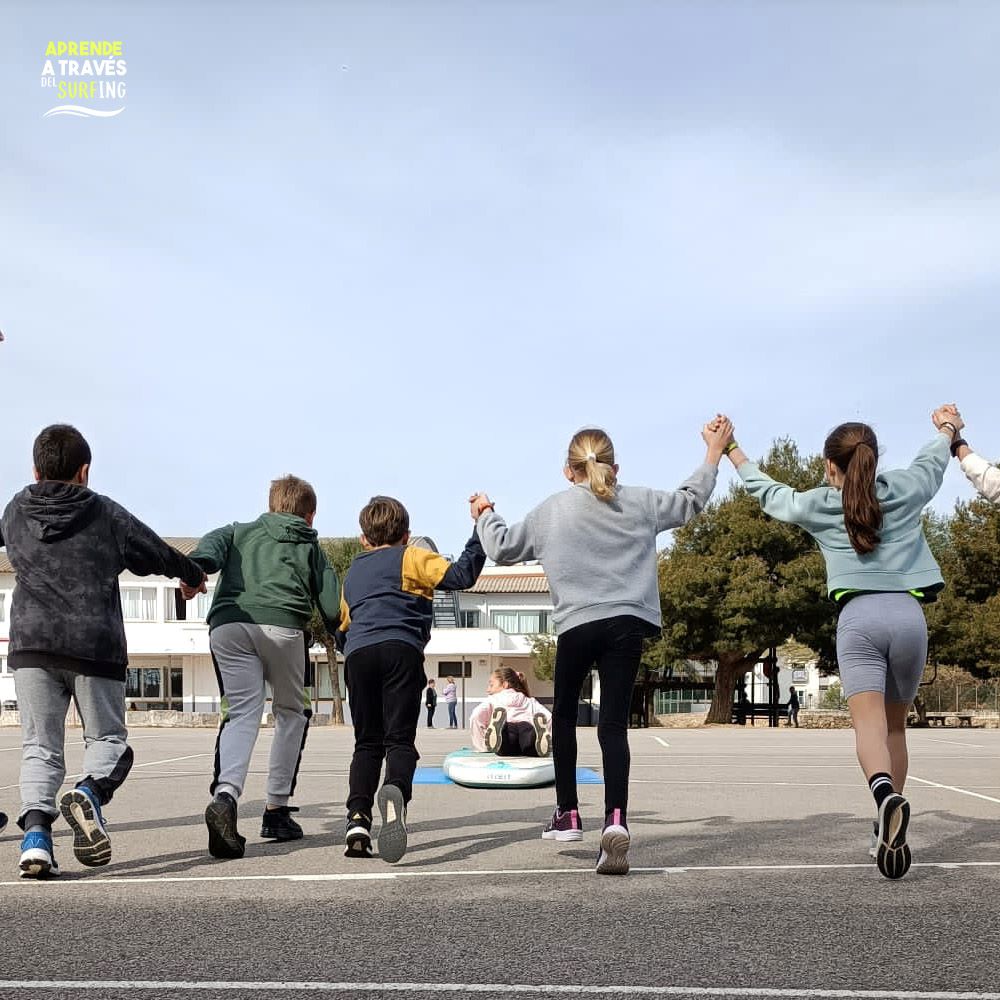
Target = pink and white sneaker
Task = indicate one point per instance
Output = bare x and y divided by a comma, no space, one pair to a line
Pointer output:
564,826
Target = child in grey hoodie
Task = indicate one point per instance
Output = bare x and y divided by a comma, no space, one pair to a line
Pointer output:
597,543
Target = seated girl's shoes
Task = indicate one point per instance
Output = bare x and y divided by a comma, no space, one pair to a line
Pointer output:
494,731
543,734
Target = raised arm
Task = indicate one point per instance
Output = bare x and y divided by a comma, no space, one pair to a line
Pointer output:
983,476
504,543
212,550
325,590
146,554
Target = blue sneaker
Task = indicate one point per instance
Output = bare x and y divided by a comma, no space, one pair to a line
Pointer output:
91,843
37,857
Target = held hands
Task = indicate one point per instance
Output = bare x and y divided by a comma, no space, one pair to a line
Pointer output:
479,502
188,593
947,415
717,434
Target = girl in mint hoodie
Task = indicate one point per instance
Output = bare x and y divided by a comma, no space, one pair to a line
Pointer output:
879,572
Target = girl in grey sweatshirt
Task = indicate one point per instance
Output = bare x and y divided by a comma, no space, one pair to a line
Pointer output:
597,544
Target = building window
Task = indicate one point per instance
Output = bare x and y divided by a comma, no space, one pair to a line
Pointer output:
3,607
3,664
144,682
139,604
452,668
522,622
174,606
469,619
203,604
176,682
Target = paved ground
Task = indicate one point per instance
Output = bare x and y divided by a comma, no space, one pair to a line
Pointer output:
750,878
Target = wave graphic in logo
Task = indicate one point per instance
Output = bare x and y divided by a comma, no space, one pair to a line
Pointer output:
77,111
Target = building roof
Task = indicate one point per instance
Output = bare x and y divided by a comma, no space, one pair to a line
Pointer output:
510,583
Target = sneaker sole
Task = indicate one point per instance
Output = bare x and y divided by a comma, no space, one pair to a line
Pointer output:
38,864
91,843
893,854
613,859
359,845
494,731
543,741
562,835
223,840
392,833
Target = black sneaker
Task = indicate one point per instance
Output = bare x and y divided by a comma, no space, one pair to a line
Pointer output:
3,821
543,735
494,731
224,840
392,833
893,853
278,824
359,836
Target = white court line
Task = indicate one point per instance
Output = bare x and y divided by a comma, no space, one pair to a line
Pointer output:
391,876
663,743
956,743
548,989
150,763
953,788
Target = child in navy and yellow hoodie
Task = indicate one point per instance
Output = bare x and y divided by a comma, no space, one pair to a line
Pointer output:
385,614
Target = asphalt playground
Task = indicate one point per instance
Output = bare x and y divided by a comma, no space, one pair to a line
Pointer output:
750,878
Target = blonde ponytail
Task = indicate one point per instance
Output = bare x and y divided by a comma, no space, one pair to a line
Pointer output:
592,454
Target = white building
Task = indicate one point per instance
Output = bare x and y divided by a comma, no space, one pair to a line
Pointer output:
170,666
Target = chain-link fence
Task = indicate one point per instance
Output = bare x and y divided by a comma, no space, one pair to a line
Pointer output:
968,696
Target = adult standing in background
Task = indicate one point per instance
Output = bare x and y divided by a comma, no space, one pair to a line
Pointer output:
431,701
450,694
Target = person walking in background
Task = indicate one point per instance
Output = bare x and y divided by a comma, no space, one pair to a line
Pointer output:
450,694
431,701
869,526
597,544
793,708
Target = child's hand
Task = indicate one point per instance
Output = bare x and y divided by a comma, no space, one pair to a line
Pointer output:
479,502
948,414
188,593
717,433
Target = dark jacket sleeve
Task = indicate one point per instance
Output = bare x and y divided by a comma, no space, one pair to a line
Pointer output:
146,554
465,570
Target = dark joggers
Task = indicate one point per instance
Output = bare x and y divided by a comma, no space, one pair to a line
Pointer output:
614,646
384,684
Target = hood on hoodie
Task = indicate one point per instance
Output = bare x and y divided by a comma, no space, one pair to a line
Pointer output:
287,527
55,510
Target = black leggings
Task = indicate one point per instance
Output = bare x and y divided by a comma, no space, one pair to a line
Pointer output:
614,646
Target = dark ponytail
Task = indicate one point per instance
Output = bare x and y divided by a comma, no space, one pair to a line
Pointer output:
513,679
853,449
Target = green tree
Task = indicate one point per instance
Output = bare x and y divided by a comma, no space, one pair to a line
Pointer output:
543,649
340,552
964,623
736,582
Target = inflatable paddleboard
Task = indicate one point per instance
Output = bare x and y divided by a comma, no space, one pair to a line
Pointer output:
487,770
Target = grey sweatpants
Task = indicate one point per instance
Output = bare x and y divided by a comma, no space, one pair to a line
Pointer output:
43,697
882,645
245,657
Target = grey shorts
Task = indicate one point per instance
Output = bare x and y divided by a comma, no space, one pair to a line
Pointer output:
882,645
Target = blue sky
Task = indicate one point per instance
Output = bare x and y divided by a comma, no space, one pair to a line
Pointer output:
410,248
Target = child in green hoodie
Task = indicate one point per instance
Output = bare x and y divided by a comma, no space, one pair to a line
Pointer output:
272,572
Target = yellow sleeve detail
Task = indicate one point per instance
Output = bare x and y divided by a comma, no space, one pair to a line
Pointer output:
345,615
422,571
